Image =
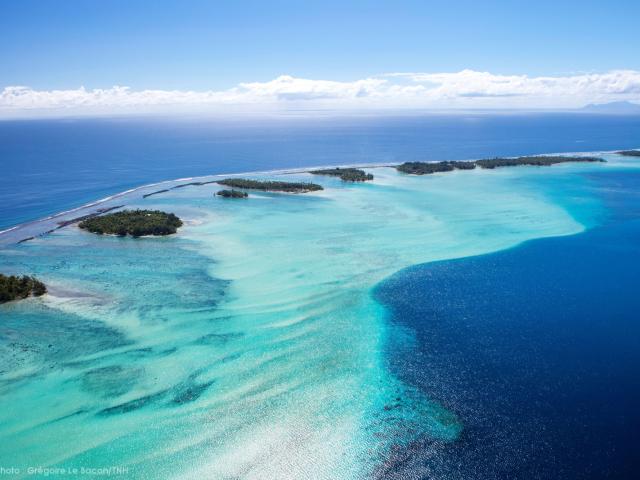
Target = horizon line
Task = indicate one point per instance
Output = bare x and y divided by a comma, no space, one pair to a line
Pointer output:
463,91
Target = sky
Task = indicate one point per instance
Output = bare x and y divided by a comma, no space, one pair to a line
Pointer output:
102,56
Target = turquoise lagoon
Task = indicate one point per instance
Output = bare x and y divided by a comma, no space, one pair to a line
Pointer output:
250,344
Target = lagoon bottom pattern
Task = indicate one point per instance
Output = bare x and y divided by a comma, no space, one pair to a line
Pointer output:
265,340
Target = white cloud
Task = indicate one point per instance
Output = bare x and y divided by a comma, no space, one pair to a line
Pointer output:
290,88
483,84
464,89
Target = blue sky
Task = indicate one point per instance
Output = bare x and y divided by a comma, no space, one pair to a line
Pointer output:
217,45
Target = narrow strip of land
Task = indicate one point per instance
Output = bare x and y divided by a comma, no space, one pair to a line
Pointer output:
270,186
232,194
425,168
345,174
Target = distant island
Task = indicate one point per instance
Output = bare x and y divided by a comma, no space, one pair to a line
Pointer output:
270,186
14,288
133,222
345,174
423,168
232,194
629,153
197,184
612,108
541,161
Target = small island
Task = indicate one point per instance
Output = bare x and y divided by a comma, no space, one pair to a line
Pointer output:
629,153
133,222
270,186
232,194
423,168
541,161
15,288
345,174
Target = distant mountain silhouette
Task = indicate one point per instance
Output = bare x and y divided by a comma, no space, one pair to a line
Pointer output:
626,108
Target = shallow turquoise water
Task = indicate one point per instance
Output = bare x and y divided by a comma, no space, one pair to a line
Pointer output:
250,345
56,165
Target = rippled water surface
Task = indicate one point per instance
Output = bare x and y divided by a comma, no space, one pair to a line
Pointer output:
254,343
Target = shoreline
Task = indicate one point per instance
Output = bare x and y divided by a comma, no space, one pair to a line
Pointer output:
297,325
197,180
288,171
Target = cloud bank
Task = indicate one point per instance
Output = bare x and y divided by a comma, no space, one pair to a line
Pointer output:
466,89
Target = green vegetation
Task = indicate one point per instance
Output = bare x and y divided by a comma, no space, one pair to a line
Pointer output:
14,288
345,174
542,161
133,222
463,165
629,153
155,193
192,184
422,168
270,186
232,194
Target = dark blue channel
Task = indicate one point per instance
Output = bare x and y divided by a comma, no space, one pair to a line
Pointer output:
536,349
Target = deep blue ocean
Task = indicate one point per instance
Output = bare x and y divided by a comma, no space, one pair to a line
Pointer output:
54,165
536,348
